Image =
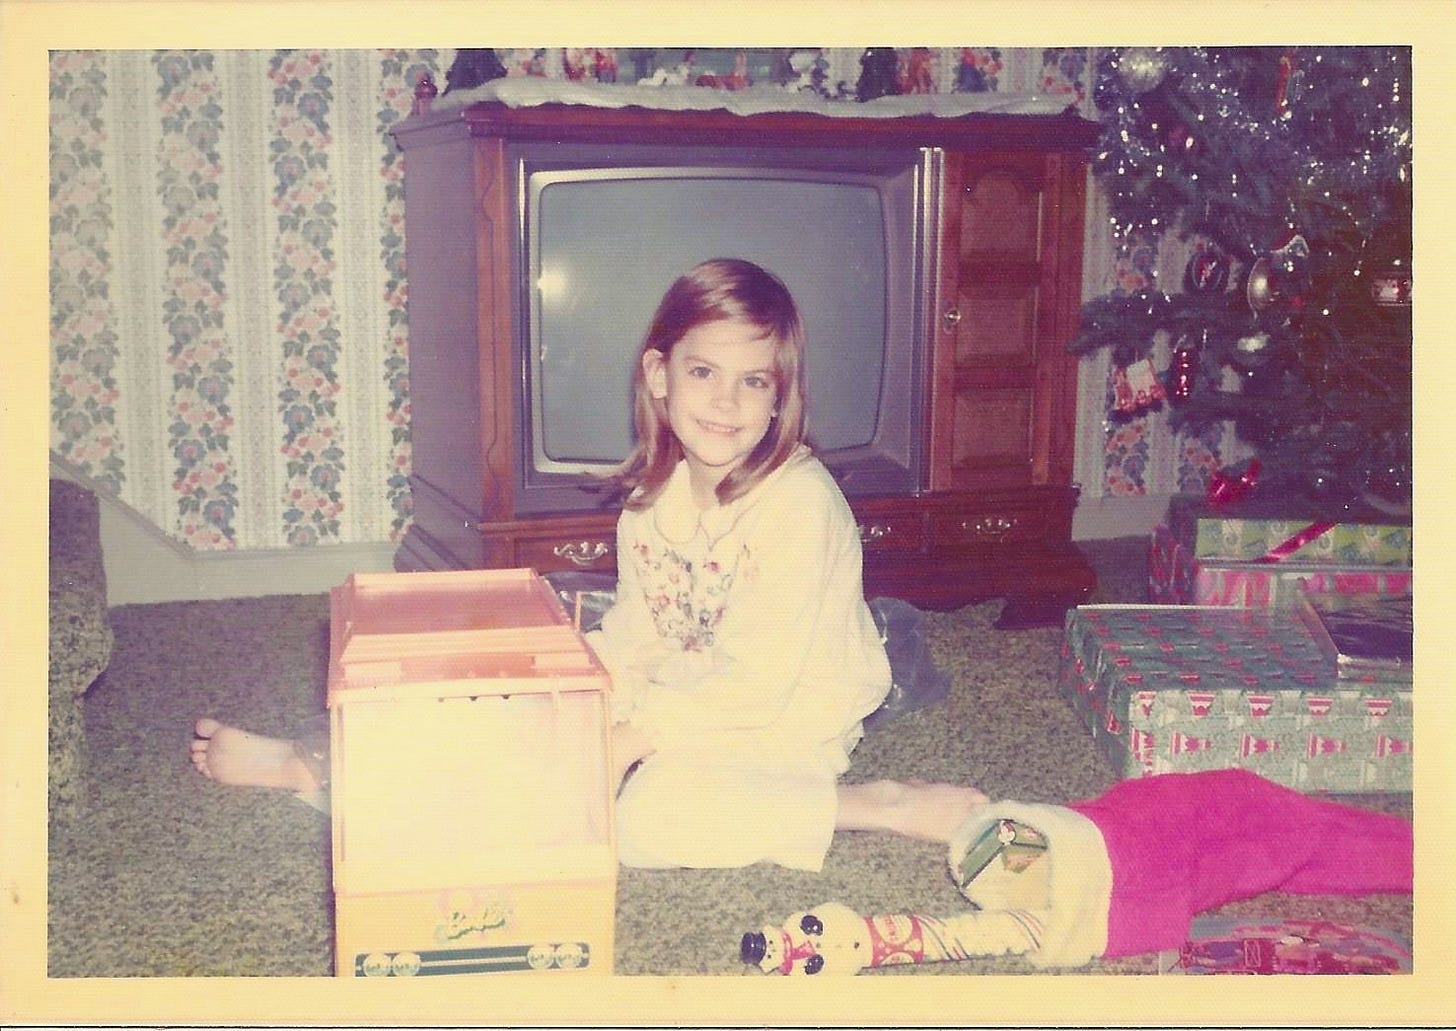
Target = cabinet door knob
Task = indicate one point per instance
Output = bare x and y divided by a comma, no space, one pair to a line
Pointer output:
952,317
583,553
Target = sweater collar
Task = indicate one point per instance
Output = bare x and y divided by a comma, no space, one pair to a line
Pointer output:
679,520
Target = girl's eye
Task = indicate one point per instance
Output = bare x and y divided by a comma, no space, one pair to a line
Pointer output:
699,371
758,382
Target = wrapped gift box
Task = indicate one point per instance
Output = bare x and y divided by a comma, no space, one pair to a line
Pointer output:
1250,529
1168,689
1176,576
470,790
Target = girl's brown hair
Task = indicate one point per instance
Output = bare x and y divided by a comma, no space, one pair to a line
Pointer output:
719,289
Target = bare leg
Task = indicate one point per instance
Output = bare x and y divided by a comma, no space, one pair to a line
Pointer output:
917,809
229,755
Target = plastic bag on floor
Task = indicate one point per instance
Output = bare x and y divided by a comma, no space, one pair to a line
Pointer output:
914,680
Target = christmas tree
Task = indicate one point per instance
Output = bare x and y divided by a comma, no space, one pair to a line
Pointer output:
1289,170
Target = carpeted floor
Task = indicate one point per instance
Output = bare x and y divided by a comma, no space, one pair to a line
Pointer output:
168,874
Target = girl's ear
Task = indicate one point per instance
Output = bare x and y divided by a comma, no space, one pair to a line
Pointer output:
654,369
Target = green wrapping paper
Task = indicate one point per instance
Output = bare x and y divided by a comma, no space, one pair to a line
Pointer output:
1177,577
1251,530
1167,689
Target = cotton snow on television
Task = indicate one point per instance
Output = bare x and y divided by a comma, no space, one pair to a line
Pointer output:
602,231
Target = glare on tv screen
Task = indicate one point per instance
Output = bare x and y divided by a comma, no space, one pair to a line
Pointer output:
605,250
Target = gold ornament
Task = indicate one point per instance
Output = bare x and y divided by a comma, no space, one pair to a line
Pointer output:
1260,291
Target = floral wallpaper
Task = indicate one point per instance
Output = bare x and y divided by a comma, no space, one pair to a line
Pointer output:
228,301
229,316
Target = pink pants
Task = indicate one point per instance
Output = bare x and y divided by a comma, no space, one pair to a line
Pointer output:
1183,843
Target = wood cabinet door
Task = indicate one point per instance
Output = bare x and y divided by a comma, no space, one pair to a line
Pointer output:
1001,410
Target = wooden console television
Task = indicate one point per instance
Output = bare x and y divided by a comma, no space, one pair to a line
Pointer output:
989,511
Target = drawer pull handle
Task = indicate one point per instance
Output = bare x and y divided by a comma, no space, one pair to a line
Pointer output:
991,526
583,553
873,532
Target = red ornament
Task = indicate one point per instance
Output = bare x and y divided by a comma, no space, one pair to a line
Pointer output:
1223,489
1283,82
1183,371
1207,272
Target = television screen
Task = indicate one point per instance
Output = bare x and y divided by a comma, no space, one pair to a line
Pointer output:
592,308
601,241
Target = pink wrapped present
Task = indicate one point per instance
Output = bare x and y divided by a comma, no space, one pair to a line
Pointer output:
1176,576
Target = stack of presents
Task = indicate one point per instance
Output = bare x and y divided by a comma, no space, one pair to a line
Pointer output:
1280,645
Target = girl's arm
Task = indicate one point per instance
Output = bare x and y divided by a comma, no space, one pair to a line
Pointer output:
627,641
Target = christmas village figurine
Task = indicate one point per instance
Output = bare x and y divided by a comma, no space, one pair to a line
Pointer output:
1119,875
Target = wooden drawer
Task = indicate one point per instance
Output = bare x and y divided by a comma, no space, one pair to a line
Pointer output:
987,527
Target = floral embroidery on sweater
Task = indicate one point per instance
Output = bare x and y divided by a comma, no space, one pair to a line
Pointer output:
686,598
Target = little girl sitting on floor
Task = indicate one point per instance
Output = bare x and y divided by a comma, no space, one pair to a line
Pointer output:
743,656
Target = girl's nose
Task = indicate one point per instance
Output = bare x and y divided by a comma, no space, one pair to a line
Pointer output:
726,396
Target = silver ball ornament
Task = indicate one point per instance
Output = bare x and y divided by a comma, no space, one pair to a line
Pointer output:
1260,290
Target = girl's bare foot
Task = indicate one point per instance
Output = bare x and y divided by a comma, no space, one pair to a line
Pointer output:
930,811
230,755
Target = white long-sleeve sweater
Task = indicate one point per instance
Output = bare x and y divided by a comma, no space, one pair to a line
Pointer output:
741,631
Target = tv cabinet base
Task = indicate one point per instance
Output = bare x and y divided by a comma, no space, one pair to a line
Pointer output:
935,551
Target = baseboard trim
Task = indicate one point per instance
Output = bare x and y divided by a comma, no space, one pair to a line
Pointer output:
139,574
1098,519
145,566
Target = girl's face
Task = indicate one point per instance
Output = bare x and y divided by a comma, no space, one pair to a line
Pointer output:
719,385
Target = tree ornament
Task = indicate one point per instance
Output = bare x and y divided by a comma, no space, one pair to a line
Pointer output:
1207,272
1280,277
1287,82
1260,290
1142,69
1391,287
1388,261
1251,352
1183,371
1136,387
1225,487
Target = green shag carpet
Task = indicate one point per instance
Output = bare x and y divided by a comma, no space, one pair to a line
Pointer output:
165,873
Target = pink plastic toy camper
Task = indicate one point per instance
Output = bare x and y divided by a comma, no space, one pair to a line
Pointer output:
472,814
